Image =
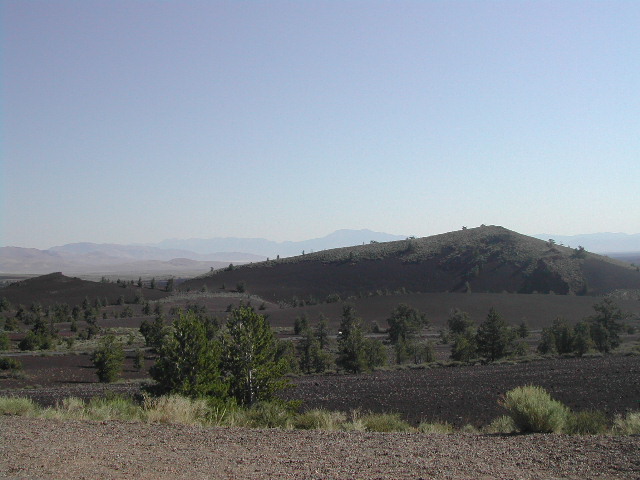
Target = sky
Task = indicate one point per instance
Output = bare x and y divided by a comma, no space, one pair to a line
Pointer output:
136,121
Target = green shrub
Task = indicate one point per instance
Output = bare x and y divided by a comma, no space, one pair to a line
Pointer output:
5,343
588,422
108,359
10,363
468,428
435,427
30,342
138,360
70,407
385,422
533,410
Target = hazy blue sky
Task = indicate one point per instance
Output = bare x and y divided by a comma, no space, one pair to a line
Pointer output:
134,121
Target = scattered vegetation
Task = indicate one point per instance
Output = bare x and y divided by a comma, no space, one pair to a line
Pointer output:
599,332
530,408
239,362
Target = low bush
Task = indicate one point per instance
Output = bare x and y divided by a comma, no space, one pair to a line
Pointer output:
270,415
435,427
533,410
10,363
320,420
385,422
5,343
588,422
108,359
627,425
17,406
176,409
502,424
113,407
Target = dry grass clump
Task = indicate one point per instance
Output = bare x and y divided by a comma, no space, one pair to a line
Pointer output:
503,424
175,409
320,419
385,422
261,415
627,425
17,406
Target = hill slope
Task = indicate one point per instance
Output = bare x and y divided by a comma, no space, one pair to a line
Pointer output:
57,288
483,259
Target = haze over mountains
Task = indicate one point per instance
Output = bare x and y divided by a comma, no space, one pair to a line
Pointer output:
269,248
197,255
173,256
598,242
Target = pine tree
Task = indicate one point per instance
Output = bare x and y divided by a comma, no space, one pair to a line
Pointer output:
189,360
605,325
404,322
351,348
250,357
494,337
108,359
322,332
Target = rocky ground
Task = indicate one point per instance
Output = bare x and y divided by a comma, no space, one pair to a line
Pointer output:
458,395
36,448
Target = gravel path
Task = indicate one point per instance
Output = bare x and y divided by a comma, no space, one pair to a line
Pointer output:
43,449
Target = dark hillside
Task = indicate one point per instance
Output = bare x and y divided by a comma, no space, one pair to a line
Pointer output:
537,311
58,288
484,259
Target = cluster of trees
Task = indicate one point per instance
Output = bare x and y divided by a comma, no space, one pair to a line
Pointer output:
313,356
357,353
404,324
492,340
240,360
600,332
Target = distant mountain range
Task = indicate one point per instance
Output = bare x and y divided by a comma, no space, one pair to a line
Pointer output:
198,255
171,257
269,248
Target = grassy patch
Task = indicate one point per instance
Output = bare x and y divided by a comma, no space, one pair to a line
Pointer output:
435,427
530,410
385,422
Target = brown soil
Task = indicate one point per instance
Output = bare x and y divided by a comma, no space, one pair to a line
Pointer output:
34,448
